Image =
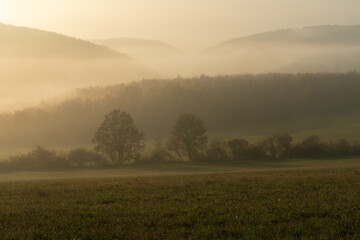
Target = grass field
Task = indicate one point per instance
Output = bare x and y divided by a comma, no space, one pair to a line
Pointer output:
318,199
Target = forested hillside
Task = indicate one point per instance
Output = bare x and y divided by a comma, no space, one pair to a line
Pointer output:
235,105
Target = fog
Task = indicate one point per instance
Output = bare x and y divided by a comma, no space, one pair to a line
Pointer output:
41,66
186,24
158,119
159,56
310,49
27,82
37,65
260,58
157,39
247,104
48,65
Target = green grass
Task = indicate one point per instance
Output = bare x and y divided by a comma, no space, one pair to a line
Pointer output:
181,169
298,200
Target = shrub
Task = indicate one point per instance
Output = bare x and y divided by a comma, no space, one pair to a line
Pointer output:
158,155
85,158
216,152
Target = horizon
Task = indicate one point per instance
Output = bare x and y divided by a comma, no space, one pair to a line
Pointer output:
94,40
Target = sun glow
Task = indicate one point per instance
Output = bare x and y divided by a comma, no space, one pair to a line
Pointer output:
18,12
206,22
6,15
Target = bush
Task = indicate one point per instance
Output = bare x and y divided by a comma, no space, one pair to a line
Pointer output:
309,148
38,159
256,152
278,146
241,149
238,149
216,152
341,148
85,158
158,155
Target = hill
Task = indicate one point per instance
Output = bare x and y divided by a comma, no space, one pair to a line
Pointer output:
315,35
248,106
37,64
20,42
310,49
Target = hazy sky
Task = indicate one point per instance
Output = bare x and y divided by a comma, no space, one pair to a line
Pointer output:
184,23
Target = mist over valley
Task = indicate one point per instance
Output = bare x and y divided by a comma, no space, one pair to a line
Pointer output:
179,119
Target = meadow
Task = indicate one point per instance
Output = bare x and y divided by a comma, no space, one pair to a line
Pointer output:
298,199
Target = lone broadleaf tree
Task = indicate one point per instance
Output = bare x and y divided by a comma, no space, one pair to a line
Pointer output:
188,136
118,138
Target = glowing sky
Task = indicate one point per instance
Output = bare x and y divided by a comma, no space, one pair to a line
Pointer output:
183,23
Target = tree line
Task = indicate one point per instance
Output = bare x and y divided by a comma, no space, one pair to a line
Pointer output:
118,141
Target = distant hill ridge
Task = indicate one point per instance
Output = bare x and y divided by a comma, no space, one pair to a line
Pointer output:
332,48
312,35
19,42
125,43
331,34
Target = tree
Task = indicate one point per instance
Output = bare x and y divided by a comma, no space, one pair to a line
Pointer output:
310,147
188,136
278,146
118,138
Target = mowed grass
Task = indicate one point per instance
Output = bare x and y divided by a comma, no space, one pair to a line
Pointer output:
271,204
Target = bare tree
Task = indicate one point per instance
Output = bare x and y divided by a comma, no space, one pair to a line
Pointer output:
118,137
188,136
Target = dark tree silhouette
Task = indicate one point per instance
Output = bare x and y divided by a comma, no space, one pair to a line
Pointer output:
118,137
188,136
